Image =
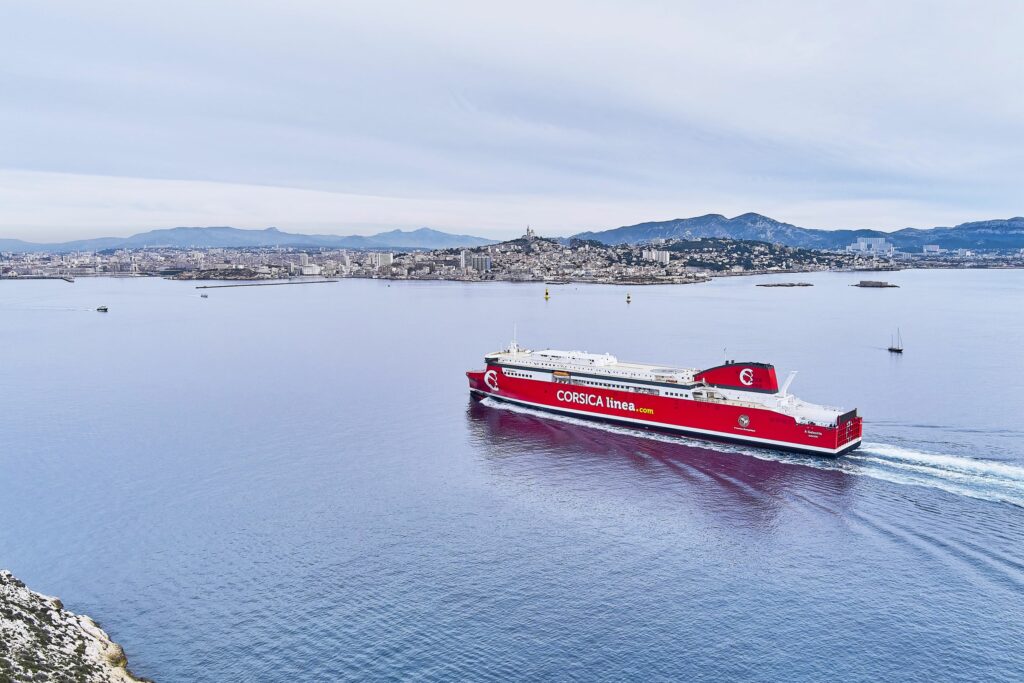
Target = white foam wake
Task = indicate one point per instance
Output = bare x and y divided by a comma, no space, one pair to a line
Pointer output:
960,475
946,463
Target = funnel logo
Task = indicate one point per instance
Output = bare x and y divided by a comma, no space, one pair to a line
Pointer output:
491,380
747,376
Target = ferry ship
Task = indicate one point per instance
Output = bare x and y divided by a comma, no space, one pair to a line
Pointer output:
733,402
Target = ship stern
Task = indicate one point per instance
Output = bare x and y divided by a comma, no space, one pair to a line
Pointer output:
848,430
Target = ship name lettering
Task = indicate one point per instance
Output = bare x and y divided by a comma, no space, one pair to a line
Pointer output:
593,400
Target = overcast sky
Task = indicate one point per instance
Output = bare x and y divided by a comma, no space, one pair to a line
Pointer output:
478,117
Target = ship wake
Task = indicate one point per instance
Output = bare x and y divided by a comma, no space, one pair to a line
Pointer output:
979,478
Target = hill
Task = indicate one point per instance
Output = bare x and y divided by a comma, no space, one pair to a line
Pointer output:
992,234
209,237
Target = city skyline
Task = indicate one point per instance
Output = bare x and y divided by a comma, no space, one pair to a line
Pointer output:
319,117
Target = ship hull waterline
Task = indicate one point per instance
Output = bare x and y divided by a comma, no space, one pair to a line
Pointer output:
676,430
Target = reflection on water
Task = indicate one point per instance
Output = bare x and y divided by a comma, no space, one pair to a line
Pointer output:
534,445
966,476
755,491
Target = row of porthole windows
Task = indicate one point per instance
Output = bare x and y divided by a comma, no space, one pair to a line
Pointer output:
553,365
560,366
620,387
677,394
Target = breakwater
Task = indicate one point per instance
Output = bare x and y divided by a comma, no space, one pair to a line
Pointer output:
265,284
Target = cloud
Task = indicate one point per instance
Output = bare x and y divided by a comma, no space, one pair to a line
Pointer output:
393,114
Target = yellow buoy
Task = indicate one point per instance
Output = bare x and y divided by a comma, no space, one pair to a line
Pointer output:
547,294
628,298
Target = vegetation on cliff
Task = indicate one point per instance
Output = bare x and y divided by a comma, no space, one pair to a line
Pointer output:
41,641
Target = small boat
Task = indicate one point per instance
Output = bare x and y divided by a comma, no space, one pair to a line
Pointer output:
897,345
102,309
204,296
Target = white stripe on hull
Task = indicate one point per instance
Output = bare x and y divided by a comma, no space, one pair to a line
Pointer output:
787,445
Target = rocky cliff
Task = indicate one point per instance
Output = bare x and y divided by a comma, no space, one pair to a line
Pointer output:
41,641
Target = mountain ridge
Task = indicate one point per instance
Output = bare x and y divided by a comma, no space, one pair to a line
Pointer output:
1005,233
228,237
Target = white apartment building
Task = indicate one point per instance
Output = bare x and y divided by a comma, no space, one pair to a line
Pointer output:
876,246
658,255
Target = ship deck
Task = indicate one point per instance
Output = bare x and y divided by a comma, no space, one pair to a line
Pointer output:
592,363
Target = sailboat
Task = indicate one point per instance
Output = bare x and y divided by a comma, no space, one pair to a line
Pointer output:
897,345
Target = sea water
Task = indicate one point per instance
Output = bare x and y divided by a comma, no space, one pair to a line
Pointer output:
292,483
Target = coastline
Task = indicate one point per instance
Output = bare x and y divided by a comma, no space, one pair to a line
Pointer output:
711,275
640,282
41,641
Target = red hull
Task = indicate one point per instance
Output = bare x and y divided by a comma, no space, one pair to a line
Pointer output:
702,419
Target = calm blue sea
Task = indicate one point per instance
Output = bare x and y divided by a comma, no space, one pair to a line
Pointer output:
292,483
